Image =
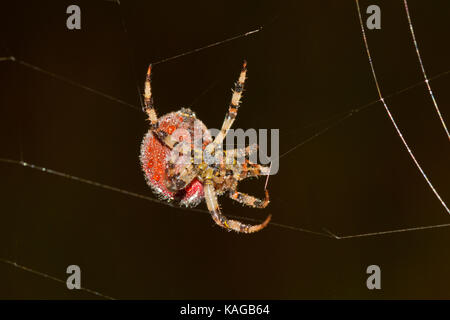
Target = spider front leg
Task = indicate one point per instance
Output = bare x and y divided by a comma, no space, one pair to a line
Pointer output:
148,99
149,108
232,109
213,207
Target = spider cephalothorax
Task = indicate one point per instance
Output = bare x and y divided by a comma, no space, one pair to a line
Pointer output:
183,163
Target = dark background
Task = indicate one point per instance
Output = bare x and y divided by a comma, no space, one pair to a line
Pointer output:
307,67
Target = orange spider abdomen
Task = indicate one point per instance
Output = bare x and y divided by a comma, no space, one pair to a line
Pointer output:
154,154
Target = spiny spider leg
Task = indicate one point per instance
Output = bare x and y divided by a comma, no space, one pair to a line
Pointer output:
148,99
249,200
232,109
232,155
248,169
150,110
213,207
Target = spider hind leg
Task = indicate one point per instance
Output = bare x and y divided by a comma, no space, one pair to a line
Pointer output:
249,200
219,219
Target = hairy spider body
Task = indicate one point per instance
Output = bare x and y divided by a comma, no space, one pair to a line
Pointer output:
155,154
182,162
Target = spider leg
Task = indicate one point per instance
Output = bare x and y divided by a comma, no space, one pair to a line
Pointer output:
151,113
213,207
248,169
249,200
231,155
148,99
233,107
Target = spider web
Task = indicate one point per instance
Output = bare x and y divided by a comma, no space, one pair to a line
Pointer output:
312,130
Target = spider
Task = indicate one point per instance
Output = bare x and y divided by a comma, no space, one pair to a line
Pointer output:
167,145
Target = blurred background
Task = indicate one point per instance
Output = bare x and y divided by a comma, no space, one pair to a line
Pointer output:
307,68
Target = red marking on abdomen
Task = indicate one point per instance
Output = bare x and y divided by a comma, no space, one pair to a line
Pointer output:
154,163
